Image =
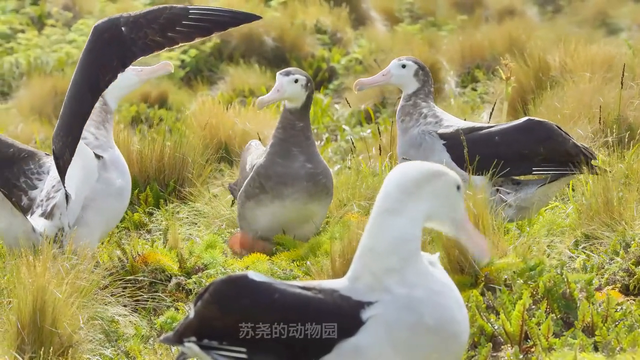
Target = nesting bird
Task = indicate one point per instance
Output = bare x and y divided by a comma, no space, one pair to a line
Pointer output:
490,155
286,187
395,302
84,186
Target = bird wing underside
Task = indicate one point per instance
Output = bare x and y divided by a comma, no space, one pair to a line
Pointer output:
527,146
268,318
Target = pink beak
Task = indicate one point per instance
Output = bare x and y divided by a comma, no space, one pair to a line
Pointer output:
149,72
383,77
474,241
276,94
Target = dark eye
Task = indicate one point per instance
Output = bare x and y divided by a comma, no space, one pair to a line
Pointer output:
458,187
404,66
295,81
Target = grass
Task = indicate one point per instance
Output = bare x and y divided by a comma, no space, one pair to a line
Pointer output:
562,285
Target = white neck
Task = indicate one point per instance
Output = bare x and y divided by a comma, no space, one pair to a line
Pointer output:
112,98
387,249
409,87
294,103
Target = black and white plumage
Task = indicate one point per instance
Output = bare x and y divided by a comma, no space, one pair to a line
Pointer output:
41,202
395,302
487,154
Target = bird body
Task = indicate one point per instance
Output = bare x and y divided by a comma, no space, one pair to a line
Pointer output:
285,187
395,302
487,155
84,185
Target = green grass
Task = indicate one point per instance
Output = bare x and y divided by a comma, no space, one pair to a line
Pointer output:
561,286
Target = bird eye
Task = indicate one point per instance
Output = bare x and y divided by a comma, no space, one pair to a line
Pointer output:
404,66
295,81
458,187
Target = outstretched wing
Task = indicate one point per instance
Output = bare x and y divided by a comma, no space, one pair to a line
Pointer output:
528,146
251,155
114,44
248,315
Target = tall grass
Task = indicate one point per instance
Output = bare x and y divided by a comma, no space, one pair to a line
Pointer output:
56,304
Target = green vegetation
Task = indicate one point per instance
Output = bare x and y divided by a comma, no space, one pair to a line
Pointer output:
561,286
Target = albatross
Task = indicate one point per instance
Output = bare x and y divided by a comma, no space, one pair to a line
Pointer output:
86,192
490,155
25,170
394,302
286,187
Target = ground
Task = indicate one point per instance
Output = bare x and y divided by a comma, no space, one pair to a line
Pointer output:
561,286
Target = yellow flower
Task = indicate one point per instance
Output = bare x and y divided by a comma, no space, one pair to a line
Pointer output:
602,295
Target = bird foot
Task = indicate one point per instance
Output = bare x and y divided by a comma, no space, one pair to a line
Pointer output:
242,244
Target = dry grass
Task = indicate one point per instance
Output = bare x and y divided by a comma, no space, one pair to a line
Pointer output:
245,80
230,127
41,97
286,32
211,132
54,304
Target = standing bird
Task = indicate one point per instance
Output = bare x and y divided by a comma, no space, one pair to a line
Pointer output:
286,187
493,154
25,171
38,202
395,302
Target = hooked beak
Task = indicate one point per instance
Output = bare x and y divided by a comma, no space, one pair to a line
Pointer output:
149,72
276,94
383,77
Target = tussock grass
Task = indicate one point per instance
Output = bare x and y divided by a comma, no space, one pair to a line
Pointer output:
245,80
228,128
56,305
41,97
285,34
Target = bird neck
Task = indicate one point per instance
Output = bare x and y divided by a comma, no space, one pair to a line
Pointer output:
388,248
294,125
99,127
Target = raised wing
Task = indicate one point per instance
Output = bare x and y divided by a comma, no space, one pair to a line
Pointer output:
118,41
528,146
248,315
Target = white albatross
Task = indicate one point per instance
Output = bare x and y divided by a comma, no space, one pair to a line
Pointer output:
26,171
88,192
489,155
395,302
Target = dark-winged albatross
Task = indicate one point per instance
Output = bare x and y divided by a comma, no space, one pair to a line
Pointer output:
51,203
492,153
25,170
395,302
286,187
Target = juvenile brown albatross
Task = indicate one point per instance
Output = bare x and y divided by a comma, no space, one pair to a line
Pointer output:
39,202
286,187
496,153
